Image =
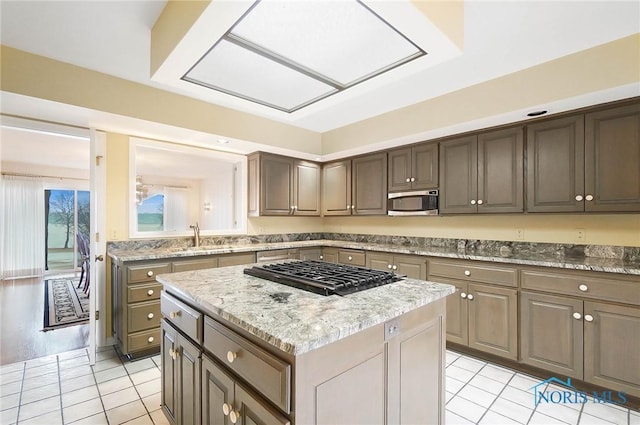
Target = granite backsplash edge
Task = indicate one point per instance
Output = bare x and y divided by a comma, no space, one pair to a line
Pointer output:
470,246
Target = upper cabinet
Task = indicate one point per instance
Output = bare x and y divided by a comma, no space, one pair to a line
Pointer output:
483,173
413,168
355,187
585,162
280,185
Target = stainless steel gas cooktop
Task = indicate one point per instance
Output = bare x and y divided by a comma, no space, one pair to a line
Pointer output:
323,278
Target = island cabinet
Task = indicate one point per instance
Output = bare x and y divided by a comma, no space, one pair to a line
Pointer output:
483,173
280,185
585,325
356,186
585,162
483,312
413,266
413,168
136,297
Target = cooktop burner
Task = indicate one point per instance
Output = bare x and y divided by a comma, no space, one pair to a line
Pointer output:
323,278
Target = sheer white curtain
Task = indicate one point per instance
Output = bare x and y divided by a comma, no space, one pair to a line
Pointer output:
176,209
22,227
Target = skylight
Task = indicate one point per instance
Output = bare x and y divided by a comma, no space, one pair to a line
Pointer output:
290,54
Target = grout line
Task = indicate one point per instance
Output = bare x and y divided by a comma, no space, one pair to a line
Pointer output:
60,388
24,372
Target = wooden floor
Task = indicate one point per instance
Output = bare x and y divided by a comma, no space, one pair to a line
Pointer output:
22,320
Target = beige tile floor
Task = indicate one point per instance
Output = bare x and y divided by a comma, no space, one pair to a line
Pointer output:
64,389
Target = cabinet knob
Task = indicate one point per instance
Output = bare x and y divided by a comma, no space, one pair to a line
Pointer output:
295,207
467,273
348,207
577,316
150,339
394,267
150,292
234,416
408,179
174,314
473,202
470,297
463,295
353,207
150,273
173,353
480,201
231,356
583,287
389,266
589,197
226,409
350,258
150,316
413,179
322,257
579,198
588,318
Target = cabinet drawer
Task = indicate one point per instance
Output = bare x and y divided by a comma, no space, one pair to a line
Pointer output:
147,292
268,374
185,266
585,285
474,272
143,316
146,272
144,340
355,258
236,259
182,316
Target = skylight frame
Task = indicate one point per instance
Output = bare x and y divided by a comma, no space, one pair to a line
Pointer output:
295,66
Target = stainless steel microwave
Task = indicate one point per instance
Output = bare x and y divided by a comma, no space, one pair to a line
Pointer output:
418,202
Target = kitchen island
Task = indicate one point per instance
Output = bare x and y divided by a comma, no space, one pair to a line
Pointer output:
237,348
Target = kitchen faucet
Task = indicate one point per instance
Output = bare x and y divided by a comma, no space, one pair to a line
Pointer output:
196,234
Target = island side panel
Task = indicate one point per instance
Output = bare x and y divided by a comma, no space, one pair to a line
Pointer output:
377,376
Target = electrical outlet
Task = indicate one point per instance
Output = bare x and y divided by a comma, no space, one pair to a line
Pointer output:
519,234
114,234
581,235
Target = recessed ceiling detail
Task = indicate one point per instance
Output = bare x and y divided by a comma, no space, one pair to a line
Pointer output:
289,54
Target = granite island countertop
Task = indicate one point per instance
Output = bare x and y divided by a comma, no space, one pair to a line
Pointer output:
543,259
290,319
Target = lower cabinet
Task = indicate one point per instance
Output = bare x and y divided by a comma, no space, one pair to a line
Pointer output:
480,316
225,401
310,254
180,377
412,266
353,257
591,341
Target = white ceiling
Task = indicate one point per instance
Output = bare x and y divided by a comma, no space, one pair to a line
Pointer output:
501,37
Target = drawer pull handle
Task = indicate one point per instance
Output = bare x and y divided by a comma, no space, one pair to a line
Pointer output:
234,416
174,314
150,292
231,356
588,318
583,287
350,258
577,316
150,339
150,316
467,273
150,273
463,295
226,409
470,297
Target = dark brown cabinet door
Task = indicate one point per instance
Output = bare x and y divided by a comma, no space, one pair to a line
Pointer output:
306,188
169,372
457,314
217,390
612,346
275,185
188,360
400,165
500,171
369,186
555,165
551,333
424,163
336,188
493,320
612,159
459,176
